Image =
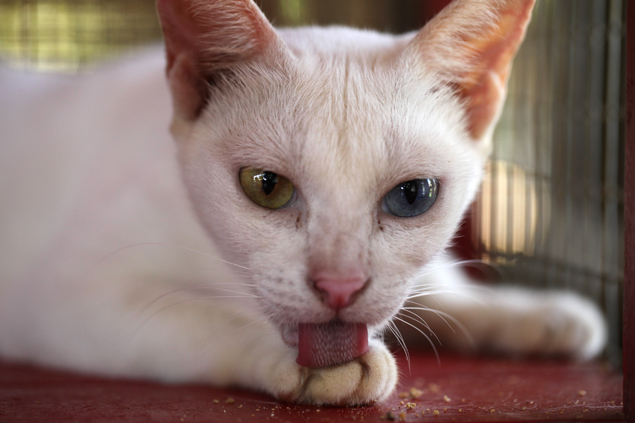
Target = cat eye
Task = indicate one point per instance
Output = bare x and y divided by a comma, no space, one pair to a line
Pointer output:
267,189
411,198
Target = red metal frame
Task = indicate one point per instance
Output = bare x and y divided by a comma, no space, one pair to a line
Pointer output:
629,220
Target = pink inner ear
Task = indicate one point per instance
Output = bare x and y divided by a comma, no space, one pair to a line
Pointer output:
204,38
484,88
179,28
472,44
485,99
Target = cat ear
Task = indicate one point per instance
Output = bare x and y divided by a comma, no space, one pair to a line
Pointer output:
469,46
205,40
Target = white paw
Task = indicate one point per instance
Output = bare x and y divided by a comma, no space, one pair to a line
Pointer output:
554,324
366,380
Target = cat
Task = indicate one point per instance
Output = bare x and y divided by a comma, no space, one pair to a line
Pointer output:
330,167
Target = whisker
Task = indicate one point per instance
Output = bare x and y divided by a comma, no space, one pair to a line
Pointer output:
264,318
193,287
436,353
164,244
225,323
264,334
443,316
475,263
460,292
419,319
145,321
395,331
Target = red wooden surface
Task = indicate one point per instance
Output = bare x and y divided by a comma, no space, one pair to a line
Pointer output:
458,389
629,220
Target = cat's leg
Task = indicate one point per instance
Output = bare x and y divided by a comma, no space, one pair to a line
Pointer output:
508,319
227,347
114,329
232,345
251,353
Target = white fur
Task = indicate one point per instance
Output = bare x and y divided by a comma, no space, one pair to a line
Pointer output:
94,215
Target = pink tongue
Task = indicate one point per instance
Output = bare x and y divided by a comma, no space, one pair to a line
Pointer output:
330,344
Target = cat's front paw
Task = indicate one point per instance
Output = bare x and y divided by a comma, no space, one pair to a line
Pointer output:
365,380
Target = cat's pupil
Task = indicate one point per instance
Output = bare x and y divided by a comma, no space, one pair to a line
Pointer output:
410,190
269,181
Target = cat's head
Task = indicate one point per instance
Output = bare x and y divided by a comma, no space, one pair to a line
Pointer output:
335,163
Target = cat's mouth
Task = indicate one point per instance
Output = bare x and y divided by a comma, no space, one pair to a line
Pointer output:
329,344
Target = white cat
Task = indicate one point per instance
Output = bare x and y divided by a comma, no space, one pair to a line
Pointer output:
330,166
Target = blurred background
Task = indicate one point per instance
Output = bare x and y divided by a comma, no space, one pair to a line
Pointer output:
550,213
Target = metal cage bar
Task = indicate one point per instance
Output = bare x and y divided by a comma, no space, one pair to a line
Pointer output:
629,221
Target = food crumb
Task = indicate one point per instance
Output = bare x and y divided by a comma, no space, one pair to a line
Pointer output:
446,398
389,416
230,401
402,417
415,393
403,394
401,402
492,411
460,410
433,387
240,406
318,410
410,406
462,399
436,412
582,393
215,401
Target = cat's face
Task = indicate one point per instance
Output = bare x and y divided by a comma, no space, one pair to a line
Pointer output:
344,131
345,116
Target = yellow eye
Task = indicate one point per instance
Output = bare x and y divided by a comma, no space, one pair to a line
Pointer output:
267,189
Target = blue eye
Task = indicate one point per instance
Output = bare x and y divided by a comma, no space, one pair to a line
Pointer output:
411,198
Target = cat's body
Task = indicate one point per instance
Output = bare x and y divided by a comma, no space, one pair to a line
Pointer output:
106,268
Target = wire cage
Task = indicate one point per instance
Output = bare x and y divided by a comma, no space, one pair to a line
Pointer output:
551,208
550,212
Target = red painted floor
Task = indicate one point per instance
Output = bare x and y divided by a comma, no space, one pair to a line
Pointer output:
459,389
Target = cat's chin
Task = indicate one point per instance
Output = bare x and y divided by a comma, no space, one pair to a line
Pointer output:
290,335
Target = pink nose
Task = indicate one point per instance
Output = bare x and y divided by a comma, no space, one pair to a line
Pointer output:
338,291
